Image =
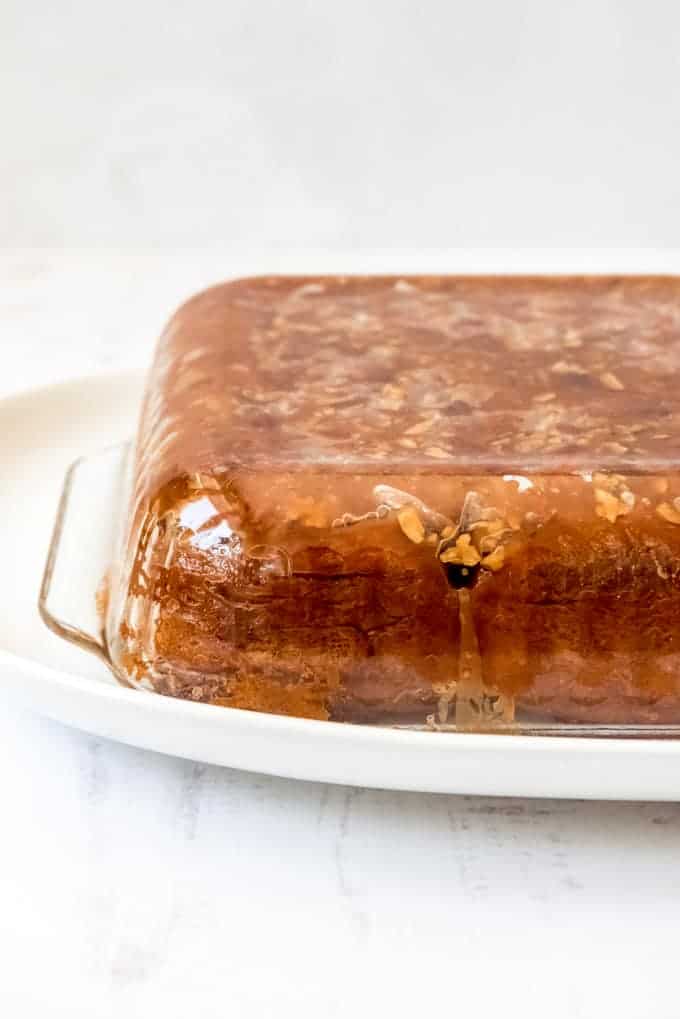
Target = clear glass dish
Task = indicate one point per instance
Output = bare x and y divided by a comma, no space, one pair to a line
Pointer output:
434,502
87,545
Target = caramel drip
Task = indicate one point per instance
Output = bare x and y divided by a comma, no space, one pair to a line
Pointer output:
470,691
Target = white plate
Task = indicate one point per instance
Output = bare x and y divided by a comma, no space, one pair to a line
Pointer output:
41,433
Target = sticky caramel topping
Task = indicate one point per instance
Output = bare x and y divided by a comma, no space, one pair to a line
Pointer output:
380,498
418,374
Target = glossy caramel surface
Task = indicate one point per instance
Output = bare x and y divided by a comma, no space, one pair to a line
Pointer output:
431,373
411,498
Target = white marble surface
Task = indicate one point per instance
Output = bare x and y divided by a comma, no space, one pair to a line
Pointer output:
138,885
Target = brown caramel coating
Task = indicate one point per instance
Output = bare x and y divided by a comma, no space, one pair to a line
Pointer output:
264,568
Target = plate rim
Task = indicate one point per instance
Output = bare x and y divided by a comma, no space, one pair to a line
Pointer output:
392,737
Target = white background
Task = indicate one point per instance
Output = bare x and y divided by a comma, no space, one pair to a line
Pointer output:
140,886
365,123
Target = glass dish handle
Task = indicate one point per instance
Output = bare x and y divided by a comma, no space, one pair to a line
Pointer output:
81,549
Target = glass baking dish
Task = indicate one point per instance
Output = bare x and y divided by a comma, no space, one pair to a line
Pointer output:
87,539
443,503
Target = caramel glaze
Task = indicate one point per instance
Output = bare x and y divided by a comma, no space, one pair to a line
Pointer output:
266,568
